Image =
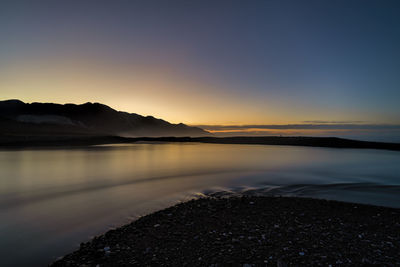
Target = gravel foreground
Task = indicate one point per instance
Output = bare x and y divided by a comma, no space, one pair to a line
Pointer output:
250,231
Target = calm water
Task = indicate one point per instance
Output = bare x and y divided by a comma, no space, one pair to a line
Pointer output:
51,200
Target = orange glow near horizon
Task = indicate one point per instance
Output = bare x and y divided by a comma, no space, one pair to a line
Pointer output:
155,90
205,63
363,134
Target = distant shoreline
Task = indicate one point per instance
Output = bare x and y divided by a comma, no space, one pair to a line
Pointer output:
11,141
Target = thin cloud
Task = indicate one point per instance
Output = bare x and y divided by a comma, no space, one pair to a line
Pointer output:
325,126
334,122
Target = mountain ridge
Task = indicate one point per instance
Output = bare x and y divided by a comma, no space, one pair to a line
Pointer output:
17,117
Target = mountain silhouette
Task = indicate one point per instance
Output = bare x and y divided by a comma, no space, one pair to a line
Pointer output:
19,118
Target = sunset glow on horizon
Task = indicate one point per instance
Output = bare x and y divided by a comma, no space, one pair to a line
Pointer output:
207,63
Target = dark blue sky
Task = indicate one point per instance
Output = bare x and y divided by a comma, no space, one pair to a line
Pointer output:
219,62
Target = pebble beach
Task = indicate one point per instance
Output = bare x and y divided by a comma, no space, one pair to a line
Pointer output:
250,231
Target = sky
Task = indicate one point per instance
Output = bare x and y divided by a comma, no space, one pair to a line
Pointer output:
208,62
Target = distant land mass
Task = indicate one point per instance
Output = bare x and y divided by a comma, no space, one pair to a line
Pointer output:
57,125
73,141
49,119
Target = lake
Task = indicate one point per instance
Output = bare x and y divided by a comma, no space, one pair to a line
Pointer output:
53,199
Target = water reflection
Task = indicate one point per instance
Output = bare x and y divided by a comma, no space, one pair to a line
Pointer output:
53,199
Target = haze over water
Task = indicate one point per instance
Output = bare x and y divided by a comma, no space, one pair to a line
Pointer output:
53,199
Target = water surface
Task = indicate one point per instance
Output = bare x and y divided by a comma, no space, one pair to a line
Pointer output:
53,199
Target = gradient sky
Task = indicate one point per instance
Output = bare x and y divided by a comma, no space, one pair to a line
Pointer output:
208,62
